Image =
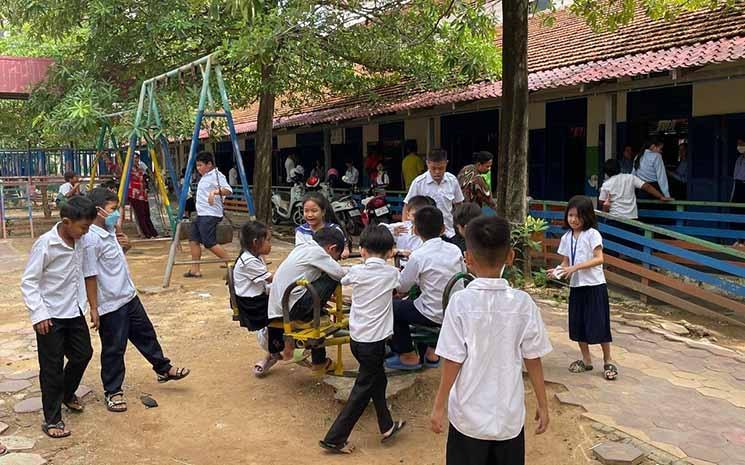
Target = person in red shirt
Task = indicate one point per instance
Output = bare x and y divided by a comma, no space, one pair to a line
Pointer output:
137,197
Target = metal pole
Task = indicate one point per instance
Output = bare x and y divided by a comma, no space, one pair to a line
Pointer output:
164,147
2,208
172,255
29,191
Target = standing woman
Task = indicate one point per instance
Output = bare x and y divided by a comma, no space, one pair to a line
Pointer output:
137,198
650,168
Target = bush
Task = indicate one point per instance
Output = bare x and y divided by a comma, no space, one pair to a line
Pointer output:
526,237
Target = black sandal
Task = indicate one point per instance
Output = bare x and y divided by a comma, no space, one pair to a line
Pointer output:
74,404
115,405
181,373
579,367
59,425
397,426
610,371
345,448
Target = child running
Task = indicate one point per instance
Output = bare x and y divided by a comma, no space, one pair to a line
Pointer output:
589,310
318,214
122,316
406,240
370,324
489,330
53,289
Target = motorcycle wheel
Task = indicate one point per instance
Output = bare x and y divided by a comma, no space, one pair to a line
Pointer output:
297,215
275,215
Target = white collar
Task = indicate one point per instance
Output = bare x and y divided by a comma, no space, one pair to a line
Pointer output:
56,238
103,232
489,284
374,261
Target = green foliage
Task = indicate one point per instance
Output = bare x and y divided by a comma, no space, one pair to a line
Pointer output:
526,237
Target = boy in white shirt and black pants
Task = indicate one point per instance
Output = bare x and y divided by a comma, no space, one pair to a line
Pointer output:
489,330
54,291
370,324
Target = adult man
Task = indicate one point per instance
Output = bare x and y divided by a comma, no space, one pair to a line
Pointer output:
439,185
627,159
472,182
412,164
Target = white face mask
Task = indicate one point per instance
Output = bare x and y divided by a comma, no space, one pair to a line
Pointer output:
741,149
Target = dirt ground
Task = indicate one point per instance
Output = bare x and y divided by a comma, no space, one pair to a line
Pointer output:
221,414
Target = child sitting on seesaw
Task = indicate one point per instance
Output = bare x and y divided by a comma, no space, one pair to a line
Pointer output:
316,262
430,267
370,324
489,330
403,231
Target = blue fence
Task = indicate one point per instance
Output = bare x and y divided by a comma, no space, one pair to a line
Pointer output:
48,162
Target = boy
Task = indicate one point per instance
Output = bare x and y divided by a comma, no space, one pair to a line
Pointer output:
315,261
489,330
440,185
121,314
54,291
406,240
211,189
370,324
70,188
464,213
618,192
430,267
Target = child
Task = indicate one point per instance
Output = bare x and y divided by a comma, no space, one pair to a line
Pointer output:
72,187
54,291
489,330
464,213
112,293
315,261
370,324
211,189
589,310
430,267
318,214
406,240
618,192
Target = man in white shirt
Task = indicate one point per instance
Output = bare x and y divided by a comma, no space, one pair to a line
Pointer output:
618,192
72,187
121,314
233,176
351,176
315,261
211,189
440,185
489,330
430,267
289,166
54,292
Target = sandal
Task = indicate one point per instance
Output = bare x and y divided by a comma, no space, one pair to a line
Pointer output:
74,404
397,426
579,367
189,274
345,448
320,370
610,371
116,406
181,373
3,449
58,426
262,366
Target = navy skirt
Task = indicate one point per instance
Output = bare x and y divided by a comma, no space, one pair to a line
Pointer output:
253,311
589,314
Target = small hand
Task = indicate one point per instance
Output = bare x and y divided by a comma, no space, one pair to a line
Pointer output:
437,420
400,229
43,327
123,240
667,199
345,253
94,319
541,416
211,198
568,272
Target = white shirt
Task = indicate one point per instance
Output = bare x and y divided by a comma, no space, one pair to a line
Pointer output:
406,240
371,316
584,247
652,169
621,189
52,284
233,176
307,260
210,182
490,328
250,276
65,189
351,176
445,194
104,258
289,166
430,267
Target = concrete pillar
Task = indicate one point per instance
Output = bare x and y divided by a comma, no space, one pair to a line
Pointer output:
611,104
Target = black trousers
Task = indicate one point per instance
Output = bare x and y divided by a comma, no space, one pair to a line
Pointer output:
371,383
405,314
129,323
142,215
67,338
465,450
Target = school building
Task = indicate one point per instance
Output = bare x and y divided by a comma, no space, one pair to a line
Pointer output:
591,93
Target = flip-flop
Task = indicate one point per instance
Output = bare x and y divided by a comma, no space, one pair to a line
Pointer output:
397,426
326,368
3,449
74,405
579,366
298,356
395,363
262,366
428,364
189,274
610,372
345,448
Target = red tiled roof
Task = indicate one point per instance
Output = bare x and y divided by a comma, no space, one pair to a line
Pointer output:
19,74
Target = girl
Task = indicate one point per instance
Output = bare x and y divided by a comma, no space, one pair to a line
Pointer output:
650,168
589,310
380,177
318,214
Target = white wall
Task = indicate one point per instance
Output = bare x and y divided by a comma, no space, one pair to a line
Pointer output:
417,129
595,117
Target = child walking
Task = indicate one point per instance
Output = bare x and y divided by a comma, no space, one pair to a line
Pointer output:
54,292
370,324
589,310
488,332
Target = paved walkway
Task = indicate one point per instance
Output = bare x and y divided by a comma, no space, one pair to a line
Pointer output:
684,397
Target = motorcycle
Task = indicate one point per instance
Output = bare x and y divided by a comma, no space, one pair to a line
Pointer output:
288,206
375,207
348,213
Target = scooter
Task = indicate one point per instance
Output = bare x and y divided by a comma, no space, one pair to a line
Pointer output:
376,208
348,213
288,206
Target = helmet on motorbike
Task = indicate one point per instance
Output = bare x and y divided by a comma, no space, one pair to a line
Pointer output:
312,182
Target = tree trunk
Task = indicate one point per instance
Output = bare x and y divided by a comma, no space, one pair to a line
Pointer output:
512,181
262,182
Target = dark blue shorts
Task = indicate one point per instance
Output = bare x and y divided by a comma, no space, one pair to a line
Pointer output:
204,230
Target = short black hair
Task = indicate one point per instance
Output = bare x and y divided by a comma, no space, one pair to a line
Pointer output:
585,210
110,184
330,236
206,157
488,239
69,175
100,196
465,212
78,208
252,231
428,223
421,201
482,157
410,146
612,167
437,155
377,239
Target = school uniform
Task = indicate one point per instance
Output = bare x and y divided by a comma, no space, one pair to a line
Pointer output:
250,278
652,171
204,228
489,328
446,193
53,289
406,240
122,316
306,261
589,309
430,267
370,324
304,233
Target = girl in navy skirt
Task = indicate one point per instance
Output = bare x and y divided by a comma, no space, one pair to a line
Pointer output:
589,310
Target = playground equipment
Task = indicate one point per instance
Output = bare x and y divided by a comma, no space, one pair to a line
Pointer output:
427,335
